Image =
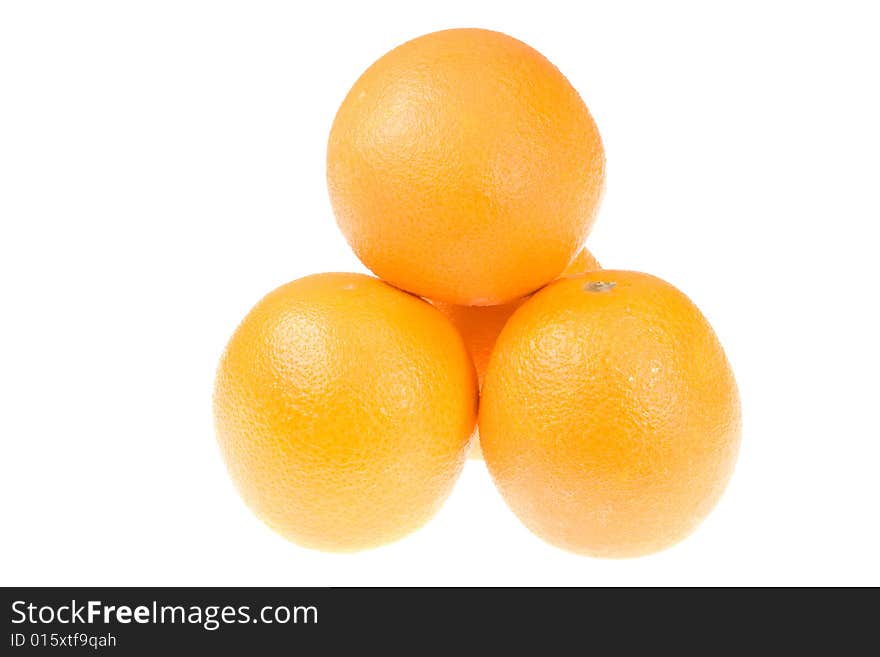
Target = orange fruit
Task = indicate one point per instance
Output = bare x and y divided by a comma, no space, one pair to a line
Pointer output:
464,167
480,326
343,408
609,416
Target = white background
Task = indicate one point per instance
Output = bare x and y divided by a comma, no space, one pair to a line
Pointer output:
162,167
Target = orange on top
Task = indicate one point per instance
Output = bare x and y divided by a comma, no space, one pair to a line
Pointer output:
480,325
609,416
462,166
343,409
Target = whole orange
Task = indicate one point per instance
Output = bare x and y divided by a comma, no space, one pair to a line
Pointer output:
343,408
462,166
480,326
609,416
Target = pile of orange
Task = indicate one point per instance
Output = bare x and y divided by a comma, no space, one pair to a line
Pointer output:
466,172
